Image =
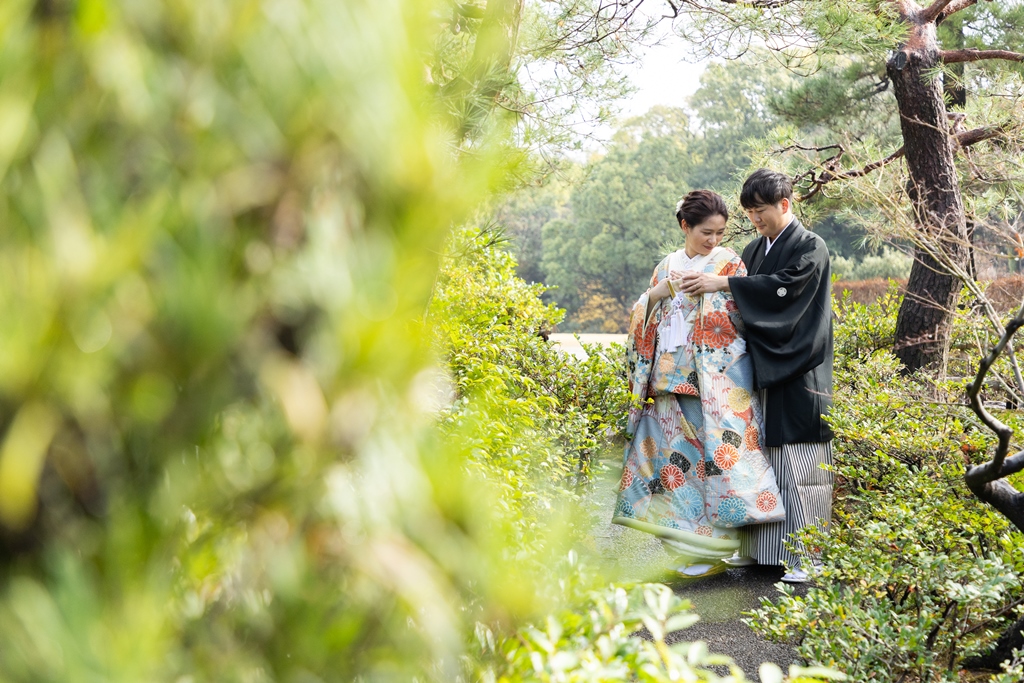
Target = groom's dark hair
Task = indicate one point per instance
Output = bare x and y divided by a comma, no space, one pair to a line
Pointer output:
765,186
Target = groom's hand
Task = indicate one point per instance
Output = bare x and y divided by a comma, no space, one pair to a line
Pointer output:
702,283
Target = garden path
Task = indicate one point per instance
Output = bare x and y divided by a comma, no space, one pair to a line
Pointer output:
719,600
569,344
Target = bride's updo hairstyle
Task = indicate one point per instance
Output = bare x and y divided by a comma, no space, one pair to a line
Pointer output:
700,205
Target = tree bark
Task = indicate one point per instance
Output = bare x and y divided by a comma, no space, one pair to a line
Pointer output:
1009,641
924,321
955,91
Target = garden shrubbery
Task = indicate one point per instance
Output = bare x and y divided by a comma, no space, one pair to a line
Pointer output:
529,417
917,574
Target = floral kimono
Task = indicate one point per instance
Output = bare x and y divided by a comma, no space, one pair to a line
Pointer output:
694,470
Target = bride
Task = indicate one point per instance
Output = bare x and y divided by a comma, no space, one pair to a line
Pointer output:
693,471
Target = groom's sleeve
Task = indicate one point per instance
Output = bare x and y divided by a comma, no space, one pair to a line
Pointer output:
786,322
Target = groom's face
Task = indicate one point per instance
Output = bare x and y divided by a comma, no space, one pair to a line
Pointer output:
770,219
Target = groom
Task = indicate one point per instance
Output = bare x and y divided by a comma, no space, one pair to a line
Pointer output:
786,306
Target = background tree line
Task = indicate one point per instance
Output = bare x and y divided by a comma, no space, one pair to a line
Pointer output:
594,231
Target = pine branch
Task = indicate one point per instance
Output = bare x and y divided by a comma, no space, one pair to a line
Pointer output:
934,11
973,137
973,55
953,8
965,139
760,4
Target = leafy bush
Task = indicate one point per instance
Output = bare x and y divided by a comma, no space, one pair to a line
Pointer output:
556,409
597,642
842,267
917,574
864,328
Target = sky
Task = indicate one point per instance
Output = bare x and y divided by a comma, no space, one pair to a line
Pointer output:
662,76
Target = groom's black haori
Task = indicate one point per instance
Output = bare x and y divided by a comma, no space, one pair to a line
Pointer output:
786,302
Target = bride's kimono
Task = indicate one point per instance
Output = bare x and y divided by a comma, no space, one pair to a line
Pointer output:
694,470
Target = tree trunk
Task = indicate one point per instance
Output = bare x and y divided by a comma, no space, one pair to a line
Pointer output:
924,321
955,92
1009,641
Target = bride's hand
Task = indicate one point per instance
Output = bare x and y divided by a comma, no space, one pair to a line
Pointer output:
662,291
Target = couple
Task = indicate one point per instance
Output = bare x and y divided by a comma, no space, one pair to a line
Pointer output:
731,359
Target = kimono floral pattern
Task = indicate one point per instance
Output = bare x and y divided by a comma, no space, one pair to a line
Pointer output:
694,462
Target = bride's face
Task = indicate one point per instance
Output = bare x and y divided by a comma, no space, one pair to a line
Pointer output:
705,236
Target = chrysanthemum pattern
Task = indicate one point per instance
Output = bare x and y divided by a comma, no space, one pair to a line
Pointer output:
672,477
739,399
686,389
726,456
646,468
714,330
627,479
688,502
742,476
666,363
680,461
731,511
752,438
711,468
766,501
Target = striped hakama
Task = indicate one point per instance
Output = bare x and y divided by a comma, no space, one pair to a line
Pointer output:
806,495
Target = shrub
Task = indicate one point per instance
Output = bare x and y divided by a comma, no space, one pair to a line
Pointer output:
916,574
864,327
890,264
491,326
596,641
842,267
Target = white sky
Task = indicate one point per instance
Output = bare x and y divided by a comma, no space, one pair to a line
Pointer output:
662,76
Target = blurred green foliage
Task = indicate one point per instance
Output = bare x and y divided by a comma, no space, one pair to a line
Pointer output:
889,264
221,219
